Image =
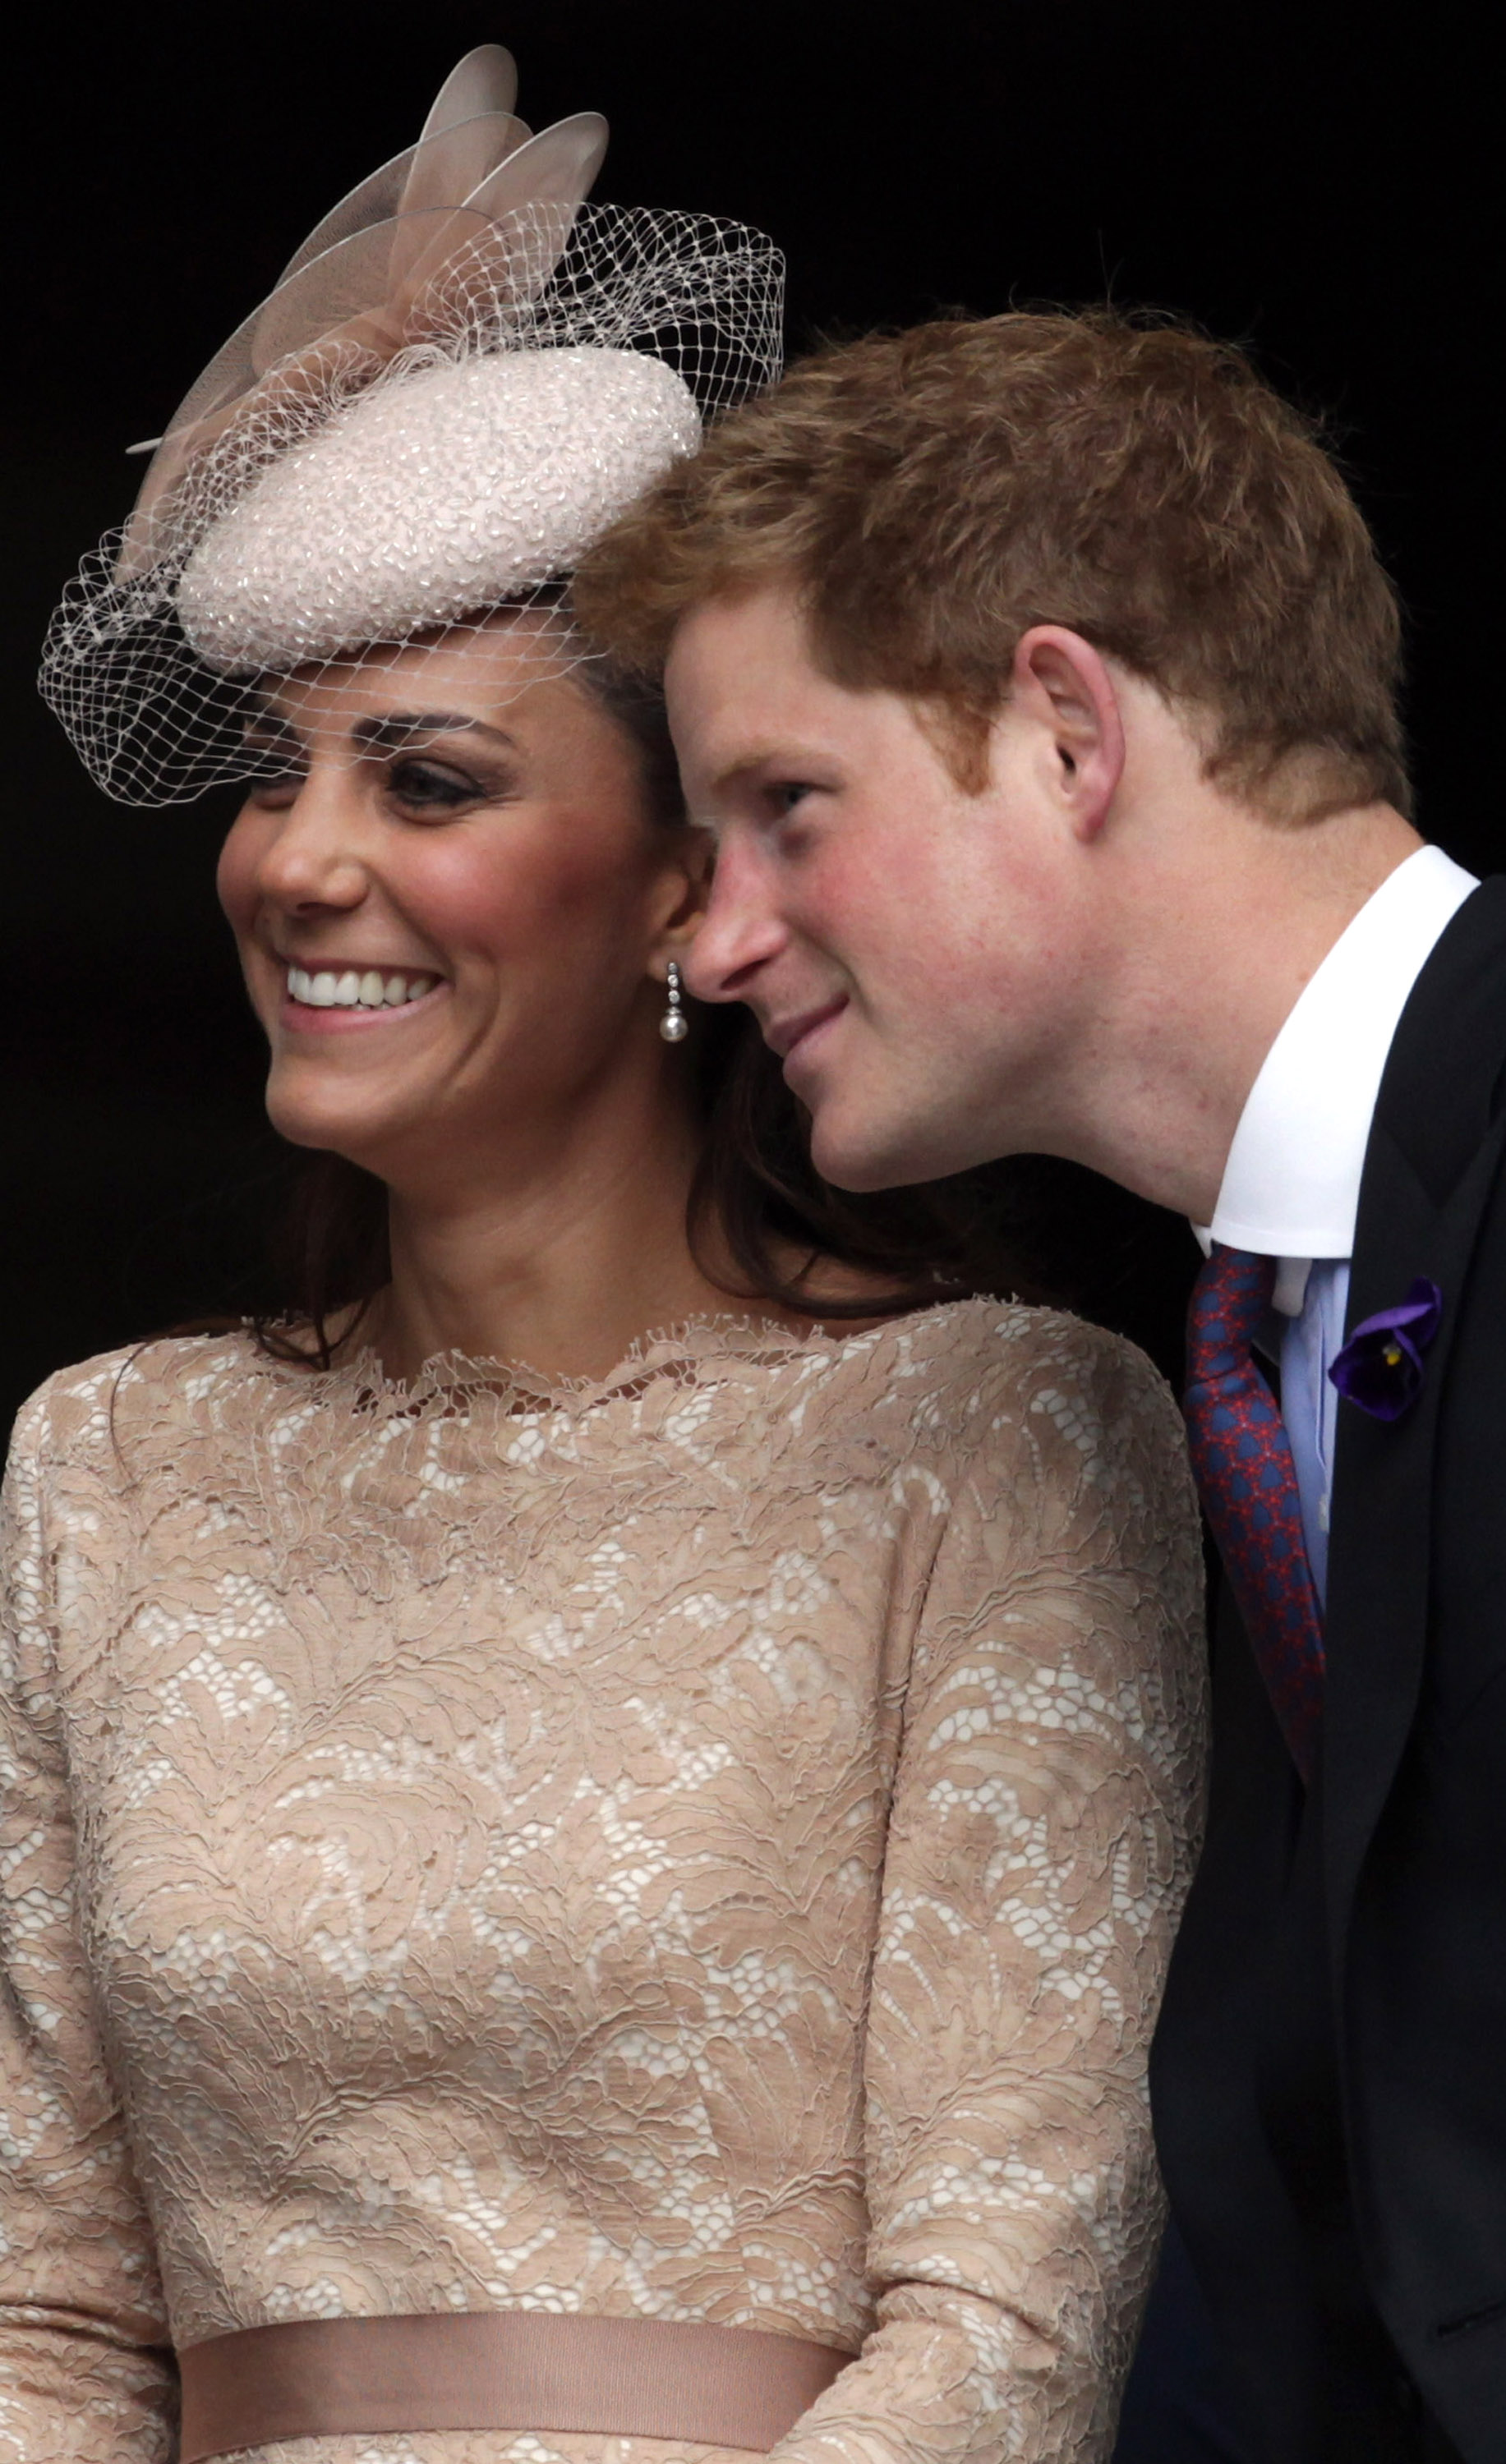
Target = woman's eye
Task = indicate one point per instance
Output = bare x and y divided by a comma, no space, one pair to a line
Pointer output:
277,768
274,785
428,786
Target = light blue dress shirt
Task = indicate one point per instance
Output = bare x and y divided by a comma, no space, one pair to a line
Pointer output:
1310,1401
1291,1186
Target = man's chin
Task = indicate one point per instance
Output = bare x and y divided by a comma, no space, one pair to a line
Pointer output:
859,1158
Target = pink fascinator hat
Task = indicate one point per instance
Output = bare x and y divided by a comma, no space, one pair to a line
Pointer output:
463,376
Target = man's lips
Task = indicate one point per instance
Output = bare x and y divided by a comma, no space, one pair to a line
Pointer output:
786,1033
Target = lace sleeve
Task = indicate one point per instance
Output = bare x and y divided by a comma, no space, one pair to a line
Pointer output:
82,2376
1040,1844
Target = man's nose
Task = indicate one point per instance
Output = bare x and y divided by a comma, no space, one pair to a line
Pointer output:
742,929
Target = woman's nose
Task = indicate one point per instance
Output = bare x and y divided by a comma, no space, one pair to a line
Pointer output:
742,929
315,857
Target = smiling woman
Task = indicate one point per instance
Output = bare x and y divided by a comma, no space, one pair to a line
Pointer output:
452,820
512,1774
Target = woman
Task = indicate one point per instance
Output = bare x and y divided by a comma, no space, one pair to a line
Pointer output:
603,1909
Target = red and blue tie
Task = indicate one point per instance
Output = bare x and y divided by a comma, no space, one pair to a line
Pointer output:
1242,1460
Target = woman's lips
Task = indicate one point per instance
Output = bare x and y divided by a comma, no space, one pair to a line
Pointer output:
305,1017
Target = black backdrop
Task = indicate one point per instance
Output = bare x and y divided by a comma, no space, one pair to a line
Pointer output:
1308,179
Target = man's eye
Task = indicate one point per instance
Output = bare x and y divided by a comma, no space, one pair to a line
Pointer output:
786,794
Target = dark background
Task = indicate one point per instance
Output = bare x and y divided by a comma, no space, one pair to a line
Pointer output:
1309,180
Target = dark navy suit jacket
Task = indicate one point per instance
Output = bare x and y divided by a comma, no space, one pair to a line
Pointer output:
1329,2075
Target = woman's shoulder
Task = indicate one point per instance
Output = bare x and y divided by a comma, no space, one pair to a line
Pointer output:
978,1349
977,1379
99,1405
1041,1423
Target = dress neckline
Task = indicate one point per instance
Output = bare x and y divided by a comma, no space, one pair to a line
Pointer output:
446,1378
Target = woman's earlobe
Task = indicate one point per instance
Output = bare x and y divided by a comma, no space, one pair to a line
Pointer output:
689,911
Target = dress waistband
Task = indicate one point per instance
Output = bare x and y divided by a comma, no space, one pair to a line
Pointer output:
498,2369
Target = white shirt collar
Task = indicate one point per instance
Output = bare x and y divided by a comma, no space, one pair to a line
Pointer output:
1291,1185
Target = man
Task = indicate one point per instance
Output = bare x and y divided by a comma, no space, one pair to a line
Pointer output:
1037,677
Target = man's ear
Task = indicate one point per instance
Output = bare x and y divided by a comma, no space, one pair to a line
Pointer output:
1063,684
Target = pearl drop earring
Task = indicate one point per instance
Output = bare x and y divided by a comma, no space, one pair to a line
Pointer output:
674,1026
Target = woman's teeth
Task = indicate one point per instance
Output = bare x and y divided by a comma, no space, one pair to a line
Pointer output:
350,991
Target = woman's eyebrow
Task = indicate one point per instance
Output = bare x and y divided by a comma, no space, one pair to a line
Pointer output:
270,725
400,727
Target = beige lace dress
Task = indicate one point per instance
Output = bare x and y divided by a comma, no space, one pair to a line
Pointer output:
699,1845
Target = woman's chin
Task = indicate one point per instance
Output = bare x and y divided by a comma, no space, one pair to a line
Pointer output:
336,1129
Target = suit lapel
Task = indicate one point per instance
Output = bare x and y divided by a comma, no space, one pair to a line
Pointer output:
1435,1149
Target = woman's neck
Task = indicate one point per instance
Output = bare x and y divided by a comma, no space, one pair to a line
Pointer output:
563,1267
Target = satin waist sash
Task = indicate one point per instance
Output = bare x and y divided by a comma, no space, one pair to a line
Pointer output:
498,2369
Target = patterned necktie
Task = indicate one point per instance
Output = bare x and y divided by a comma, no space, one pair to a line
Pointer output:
1242,1459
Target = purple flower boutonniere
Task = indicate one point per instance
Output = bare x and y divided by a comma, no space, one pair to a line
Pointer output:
1381,1366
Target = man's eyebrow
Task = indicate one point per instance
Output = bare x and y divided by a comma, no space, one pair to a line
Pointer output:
400,727
758,756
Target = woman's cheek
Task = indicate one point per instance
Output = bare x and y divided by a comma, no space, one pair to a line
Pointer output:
500,908
236,874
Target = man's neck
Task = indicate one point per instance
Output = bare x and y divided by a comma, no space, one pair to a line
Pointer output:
1228,946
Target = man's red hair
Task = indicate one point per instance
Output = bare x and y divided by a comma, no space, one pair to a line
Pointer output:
931,494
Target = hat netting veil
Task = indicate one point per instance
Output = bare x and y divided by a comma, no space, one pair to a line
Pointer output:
463,376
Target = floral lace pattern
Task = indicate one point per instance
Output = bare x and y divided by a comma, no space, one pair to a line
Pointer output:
700,1844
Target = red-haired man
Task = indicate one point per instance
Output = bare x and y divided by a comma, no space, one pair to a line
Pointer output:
1037,677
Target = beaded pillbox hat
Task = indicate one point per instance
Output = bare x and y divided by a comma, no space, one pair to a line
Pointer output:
462,377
